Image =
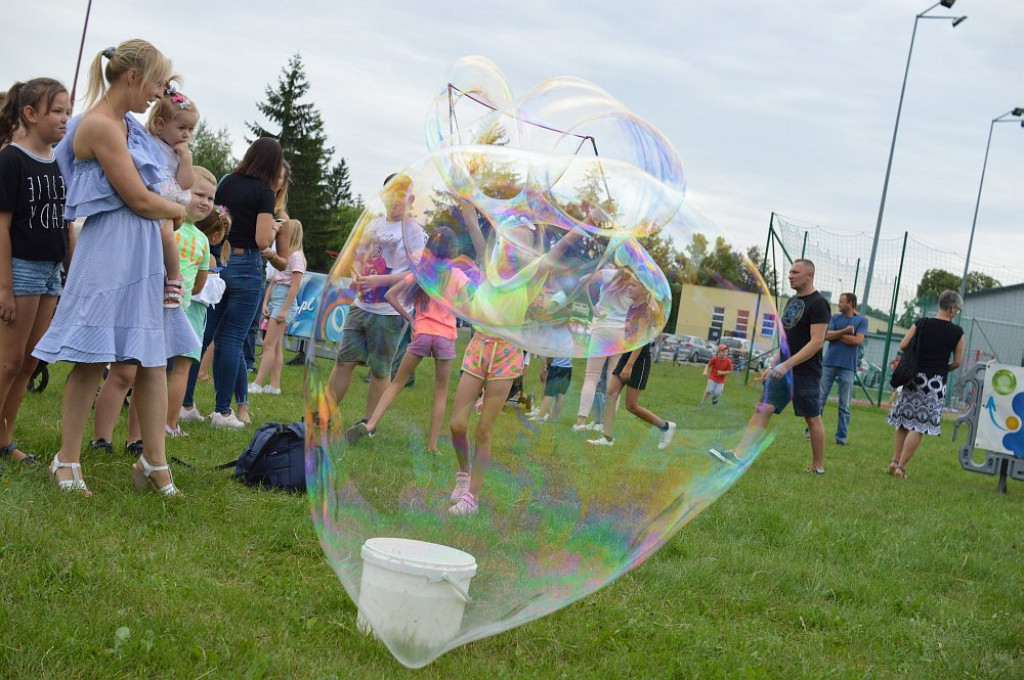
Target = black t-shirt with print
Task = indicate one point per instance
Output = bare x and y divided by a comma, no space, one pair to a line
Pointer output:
32,190
800,314
245,198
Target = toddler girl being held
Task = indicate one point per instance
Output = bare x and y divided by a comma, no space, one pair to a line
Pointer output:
172,120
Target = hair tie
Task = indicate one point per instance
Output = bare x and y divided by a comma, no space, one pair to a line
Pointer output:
109,52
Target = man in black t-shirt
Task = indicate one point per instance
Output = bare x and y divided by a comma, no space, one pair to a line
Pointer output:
805,320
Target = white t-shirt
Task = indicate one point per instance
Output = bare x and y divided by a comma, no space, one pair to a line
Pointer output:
612,305
384,250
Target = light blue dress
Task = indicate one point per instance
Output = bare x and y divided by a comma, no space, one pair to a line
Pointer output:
112,306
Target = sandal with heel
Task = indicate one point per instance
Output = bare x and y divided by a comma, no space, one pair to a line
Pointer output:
76,483
901,472
142,478
892,466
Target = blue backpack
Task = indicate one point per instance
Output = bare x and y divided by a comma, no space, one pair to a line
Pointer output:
275,458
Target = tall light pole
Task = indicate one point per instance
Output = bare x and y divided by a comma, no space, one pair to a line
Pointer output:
1019,111
888,168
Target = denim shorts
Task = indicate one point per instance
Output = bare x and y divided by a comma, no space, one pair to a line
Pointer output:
277,298
558,380
33,277
804,395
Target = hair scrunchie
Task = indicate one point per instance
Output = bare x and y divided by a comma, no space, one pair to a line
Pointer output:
109,52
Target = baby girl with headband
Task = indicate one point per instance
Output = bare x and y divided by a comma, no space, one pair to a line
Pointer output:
172,121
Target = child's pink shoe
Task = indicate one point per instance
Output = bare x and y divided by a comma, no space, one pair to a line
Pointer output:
467,505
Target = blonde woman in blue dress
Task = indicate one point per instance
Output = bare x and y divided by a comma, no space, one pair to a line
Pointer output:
112,307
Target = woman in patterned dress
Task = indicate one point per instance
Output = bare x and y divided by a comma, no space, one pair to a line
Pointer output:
917,411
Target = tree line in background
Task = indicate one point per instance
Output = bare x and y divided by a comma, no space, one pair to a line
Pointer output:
320,196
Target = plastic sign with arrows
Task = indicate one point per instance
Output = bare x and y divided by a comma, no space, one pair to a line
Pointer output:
1001,421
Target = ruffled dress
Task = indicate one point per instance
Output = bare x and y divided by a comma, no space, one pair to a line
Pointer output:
112,305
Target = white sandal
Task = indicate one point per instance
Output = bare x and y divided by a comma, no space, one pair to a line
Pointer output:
76,483
142,478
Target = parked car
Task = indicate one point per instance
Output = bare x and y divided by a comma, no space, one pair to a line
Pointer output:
694,349
739,349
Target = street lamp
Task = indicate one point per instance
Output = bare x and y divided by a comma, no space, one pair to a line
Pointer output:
1018,112
888,168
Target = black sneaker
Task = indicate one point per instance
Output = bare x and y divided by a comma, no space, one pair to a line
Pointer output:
839,443
133,448
714,401
725,456
102,445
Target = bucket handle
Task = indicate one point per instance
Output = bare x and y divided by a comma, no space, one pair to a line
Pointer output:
462,592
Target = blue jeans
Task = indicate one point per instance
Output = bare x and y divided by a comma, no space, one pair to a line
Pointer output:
231,318
845,376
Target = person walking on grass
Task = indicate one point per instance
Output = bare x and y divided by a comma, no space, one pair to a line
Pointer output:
434,332
797,378
917,410
716,371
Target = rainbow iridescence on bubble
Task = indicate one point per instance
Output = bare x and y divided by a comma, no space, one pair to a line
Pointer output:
542,232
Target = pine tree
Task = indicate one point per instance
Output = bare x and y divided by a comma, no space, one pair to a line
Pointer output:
317,189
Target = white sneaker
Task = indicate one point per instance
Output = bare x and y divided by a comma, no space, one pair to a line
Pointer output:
255,389
540,418
601,441
467,505
461,485
190,414
271,390
725,456
229,420
597,427
666,436
176,432
585,427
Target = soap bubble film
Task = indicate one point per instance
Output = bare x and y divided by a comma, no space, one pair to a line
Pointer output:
538,221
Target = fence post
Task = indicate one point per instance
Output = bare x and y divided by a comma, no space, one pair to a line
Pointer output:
892,321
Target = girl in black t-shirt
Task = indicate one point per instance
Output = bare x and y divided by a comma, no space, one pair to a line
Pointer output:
33,237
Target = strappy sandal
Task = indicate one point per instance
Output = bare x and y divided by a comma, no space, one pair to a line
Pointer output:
76,483
173,290
8,452
892,467
142,478
901,472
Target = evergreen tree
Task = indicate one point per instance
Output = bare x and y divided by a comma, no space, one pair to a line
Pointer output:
317,189
212,150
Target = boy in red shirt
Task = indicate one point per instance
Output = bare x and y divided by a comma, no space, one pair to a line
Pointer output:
718,367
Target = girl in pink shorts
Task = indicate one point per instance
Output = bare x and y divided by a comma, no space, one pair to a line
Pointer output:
433,332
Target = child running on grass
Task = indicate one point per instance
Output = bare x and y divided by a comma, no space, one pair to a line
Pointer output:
719,366
632,372
434,333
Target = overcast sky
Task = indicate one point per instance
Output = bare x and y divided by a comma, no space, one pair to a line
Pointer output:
774,106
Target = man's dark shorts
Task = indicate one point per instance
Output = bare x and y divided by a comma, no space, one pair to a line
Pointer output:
804,395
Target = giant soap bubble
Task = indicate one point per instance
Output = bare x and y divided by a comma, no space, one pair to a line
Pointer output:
540,222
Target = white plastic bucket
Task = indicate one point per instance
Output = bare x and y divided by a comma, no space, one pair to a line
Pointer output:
413,593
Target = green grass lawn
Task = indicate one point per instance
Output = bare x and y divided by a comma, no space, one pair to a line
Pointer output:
850,575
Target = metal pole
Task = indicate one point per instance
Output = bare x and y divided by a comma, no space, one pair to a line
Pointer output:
81,47
892,146
856,276
803,248
977,203
892,320
888,171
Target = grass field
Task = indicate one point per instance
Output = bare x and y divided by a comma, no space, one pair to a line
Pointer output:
851,575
